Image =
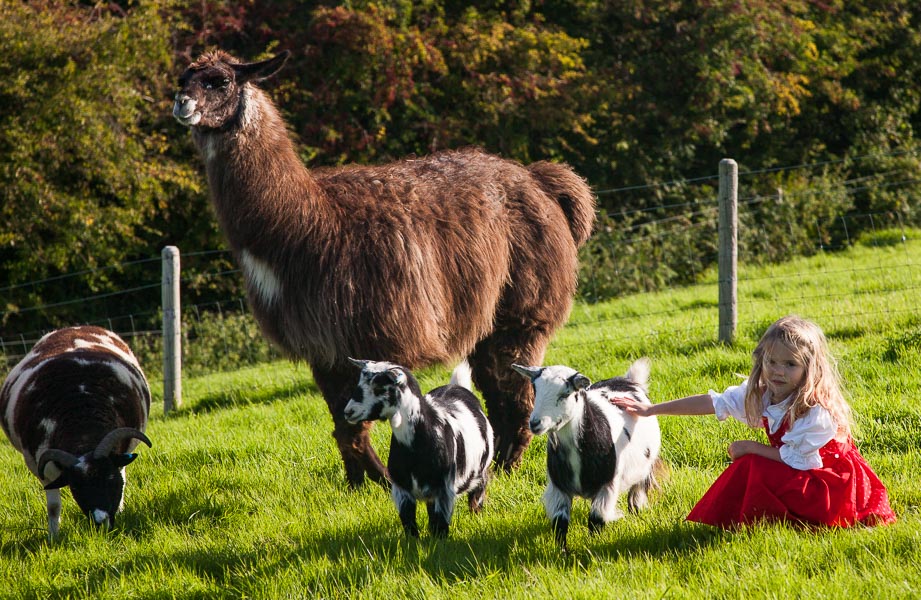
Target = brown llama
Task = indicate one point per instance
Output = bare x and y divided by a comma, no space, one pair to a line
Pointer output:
427,260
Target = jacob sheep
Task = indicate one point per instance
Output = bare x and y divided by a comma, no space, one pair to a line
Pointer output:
422,261
594,449
75,407
441,445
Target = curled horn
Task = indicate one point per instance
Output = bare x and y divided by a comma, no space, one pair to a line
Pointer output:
115,436
64,460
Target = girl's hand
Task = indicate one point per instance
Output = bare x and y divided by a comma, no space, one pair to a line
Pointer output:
740,448
631,406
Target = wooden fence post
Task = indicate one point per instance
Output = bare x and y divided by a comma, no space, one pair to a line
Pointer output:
172,331
728,253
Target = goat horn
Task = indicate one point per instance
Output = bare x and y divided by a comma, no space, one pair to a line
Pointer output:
361,364
65,460
115,436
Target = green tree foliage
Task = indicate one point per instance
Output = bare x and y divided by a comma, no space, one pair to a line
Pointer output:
643,98
87,171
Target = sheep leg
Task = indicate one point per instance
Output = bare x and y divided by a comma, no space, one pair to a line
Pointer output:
406,508
440,511
558,506
53,501
509,397
354,441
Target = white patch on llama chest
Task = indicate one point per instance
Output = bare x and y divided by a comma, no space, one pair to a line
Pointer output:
261,278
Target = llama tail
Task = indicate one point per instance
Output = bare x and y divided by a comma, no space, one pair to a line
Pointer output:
462,376
572,192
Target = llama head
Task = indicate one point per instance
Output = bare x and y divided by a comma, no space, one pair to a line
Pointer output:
555,395
212,88
382,388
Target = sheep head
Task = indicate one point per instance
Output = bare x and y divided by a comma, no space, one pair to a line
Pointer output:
211,90
96,479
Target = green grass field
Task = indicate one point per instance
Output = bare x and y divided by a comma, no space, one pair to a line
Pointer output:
243,494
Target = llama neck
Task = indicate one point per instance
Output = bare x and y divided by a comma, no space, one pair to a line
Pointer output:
257,181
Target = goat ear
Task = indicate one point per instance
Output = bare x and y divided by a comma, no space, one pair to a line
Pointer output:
122,460
258,71
396,376
531,373
579,382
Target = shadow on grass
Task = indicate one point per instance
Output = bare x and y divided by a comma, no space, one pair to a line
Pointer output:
237,397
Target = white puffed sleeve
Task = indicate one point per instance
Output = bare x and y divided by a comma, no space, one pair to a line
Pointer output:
809,433
731,403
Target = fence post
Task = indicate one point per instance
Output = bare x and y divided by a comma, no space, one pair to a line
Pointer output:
172,331
728,253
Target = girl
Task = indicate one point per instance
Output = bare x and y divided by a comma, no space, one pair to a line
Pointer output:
811,472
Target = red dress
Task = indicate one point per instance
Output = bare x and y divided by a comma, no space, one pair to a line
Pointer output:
842,492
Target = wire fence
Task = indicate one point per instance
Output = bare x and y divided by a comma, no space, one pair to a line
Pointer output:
219,333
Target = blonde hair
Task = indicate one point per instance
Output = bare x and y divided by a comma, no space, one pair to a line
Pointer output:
821,385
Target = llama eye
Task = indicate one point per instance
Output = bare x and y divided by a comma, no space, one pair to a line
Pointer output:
211,84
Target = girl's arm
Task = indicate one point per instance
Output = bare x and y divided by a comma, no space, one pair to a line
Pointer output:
700,404
740,448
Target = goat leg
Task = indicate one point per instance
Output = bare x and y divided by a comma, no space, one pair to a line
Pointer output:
406,508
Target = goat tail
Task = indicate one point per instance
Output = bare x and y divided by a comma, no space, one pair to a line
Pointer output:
462,375
572,193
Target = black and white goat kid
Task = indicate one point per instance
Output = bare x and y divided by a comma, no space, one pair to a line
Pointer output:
441,447
594,449
75,407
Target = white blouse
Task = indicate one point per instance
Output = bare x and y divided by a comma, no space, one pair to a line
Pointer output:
801,443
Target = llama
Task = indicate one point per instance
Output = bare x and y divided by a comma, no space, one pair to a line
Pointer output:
594,449
441,445
422,261
75,406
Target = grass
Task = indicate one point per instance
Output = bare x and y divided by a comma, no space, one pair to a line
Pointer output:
243,495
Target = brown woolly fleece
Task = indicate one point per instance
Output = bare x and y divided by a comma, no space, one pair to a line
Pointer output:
460,254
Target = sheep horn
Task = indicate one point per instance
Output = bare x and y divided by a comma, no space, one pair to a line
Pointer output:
64,460
115,436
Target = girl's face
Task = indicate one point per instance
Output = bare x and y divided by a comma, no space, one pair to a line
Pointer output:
783,372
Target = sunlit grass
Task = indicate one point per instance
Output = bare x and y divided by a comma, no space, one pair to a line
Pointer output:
243,494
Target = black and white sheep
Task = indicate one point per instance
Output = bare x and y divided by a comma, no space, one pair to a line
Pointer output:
594,449
75,407
441,447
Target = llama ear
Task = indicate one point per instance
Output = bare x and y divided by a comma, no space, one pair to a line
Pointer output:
531,373
258,71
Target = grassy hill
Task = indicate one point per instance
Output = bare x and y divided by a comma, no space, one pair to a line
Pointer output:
243,494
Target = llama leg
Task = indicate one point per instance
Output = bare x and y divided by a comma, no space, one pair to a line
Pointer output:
406,508
354,441
558,506
509,397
